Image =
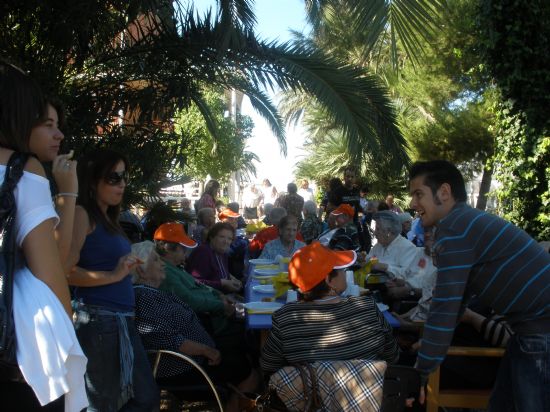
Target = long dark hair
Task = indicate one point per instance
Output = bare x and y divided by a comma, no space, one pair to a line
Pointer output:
22,106
212,188
91,170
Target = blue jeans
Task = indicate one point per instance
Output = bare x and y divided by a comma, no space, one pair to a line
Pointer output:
99,340
523,380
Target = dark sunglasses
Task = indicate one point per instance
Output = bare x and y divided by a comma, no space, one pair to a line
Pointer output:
114,178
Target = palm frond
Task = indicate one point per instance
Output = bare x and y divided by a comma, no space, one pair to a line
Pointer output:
408,22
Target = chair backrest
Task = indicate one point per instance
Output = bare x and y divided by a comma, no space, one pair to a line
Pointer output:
457,397
400,383
156,361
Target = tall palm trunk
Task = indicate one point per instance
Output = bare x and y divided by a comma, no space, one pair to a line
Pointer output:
484,187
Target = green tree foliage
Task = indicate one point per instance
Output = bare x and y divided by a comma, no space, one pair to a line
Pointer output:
443,102
517,43
218,158
146,59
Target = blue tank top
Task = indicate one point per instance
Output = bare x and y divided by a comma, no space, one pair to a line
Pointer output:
101,252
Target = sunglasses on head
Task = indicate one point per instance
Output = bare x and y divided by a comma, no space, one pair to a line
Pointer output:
114,178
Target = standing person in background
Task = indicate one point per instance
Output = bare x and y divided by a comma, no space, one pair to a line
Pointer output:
41,300
292,202
251,200
209,196
305,191
349,193
118,376
392,207
270,193
327,203
479,254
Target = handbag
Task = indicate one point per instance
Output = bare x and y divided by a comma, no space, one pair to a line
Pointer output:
10,258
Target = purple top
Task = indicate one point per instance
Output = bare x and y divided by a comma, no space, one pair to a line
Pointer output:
207,266
206,201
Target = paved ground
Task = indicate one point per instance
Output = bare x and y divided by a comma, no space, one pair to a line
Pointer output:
170,403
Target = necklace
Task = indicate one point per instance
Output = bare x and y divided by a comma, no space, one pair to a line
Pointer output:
327,298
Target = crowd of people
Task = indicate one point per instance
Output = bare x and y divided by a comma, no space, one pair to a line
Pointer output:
96,289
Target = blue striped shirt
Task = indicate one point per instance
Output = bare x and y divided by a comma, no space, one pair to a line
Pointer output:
482,255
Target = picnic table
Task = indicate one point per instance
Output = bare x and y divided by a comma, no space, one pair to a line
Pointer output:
262,321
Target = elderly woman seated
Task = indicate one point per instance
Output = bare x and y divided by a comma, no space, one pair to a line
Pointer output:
323,325
173,245
238,251
312,226
286,244
209,262
397,256
164,321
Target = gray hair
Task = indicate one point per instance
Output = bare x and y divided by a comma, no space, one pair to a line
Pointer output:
310,207
205,211
268,207
388,221
276,214
142,251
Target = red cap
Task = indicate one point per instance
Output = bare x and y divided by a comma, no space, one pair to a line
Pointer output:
227,213
311,264
344,209
173,232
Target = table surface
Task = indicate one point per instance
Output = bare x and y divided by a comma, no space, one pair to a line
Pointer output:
263,321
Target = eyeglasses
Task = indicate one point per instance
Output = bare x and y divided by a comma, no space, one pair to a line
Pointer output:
114,178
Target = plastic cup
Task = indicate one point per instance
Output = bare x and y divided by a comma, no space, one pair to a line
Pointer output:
291,296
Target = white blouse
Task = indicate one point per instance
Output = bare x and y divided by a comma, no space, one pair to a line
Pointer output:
48,352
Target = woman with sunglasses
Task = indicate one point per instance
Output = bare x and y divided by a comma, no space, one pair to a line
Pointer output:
118,376
48,354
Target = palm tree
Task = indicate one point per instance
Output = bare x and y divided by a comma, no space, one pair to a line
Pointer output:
144,59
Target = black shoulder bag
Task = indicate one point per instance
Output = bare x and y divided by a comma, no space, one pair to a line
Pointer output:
9,258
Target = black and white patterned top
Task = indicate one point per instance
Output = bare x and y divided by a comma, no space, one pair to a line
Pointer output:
353,328
164,321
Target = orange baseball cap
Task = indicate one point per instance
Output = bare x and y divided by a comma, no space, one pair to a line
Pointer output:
227,213
173,232
311,264
344,209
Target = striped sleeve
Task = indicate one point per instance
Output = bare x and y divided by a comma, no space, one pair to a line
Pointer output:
446,307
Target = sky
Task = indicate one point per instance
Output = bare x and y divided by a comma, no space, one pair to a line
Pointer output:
275,20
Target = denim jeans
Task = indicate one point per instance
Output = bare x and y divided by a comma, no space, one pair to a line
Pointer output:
523,381
99,340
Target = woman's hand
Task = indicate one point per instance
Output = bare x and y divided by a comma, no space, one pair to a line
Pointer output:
212,355
125,264
229,309
231,285
64,173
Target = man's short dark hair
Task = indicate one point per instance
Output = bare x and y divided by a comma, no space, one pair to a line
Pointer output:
292,188
437,172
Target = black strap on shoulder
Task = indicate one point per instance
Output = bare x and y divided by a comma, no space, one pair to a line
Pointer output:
8,208
14,171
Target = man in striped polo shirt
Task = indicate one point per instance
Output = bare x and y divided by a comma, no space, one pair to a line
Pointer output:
479,254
